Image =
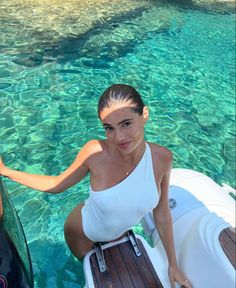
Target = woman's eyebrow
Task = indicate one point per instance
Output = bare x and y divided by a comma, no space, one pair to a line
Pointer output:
125,120
106,124
121,122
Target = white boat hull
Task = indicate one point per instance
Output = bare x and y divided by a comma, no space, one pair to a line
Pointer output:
201,209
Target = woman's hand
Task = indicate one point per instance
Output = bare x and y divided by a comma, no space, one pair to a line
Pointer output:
2,166
176,275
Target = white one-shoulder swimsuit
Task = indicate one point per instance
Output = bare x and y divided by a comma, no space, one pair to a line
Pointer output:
109,213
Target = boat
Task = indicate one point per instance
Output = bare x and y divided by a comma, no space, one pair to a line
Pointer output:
15,263
203,215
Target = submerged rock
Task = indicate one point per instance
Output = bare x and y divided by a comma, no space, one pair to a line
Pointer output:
30,61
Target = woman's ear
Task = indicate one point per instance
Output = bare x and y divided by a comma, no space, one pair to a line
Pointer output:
145,114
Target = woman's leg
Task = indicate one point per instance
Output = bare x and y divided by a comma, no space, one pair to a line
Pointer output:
75,238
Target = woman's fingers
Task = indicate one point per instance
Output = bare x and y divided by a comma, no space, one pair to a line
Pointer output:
172,281
176,275
186,284
1,164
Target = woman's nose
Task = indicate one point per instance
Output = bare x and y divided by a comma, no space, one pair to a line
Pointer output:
119,135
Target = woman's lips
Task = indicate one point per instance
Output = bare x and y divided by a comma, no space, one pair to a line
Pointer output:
124,145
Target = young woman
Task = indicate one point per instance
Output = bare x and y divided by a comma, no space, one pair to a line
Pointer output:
128,178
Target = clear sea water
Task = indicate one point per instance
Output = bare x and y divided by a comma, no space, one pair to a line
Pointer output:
57,58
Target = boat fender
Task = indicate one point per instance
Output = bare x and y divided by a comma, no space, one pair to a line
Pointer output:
3,282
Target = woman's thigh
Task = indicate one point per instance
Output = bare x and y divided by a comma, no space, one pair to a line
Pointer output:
77,241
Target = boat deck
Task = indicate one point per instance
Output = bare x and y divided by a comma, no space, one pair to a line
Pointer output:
125,269
227,239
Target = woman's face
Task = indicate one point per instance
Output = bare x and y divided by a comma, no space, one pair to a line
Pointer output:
124,128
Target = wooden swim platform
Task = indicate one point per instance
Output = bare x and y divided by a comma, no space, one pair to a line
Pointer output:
124,269
227,239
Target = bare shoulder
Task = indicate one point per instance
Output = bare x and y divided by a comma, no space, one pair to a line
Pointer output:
161,154
94,150
93,146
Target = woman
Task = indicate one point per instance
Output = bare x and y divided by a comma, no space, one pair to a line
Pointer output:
128,179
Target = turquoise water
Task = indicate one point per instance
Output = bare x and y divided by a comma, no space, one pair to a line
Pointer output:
181,58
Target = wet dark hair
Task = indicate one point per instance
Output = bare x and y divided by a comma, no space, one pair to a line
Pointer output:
123,93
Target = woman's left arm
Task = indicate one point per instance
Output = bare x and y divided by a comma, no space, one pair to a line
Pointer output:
163,221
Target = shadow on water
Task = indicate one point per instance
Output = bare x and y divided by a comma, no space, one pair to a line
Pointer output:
74,46
107,40
97,42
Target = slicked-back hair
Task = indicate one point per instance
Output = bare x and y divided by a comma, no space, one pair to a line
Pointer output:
121,93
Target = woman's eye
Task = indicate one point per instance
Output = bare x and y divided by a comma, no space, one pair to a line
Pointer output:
126,124
108,129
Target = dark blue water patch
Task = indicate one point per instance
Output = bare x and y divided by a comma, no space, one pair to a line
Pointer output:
29,61
232,133
103,54
96,63
75,46
213,129
69,71
223,8
116,20
2,47
5,85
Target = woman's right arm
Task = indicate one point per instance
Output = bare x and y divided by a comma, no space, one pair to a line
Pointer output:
53,184
38,182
